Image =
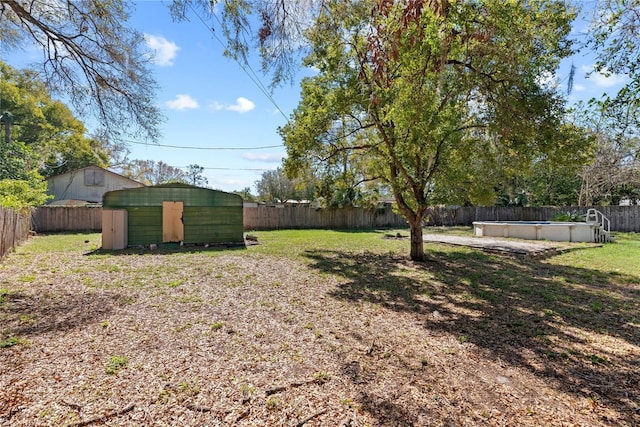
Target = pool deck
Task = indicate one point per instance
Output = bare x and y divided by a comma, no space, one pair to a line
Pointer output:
513,247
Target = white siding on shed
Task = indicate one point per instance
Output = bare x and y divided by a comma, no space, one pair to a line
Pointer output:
87,184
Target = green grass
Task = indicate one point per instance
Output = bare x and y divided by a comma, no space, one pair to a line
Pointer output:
9,342
47,243
296,243
115,364
619,257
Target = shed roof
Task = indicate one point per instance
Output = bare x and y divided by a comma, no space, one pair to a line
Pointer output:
191,195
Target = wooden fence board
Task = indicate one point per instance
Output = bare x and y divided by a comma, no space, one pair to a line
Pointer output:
14,227
53,219
623,218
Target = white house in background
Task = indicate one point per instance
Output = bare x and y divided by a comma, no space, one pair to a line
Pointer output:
86,185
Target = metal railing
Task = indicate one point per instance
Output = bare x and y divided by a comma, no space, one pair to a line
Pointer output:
594,216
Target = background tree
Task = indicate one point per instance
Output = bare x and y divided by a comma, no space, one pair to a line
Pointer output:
91,55
613,173
150,172
45,136
275,186
437,87
162,173
245,193
194,175
614,39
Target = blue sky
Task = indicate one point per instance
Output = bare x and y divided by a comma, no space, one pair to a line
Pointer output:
210,102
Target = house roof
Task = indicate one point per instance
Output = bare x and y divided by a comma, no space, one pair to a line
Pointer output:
75,171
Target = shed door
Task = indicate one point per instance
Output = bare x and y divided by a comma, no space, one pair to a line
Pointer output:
172,224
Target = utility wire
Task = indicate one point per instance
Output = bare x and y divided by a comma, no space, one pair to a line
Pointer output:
231,169
252,76
201,148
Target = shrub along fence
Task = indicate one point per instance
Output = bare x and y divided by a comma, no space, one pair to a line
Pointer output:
75,219
15,228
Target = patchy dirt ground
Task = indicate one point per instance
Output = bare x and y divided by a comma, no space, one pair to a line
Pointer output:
338,338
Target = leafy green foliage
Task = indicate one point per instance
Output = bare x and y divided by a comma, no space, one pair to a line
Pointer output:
275,186
570,216
44,134
614,38
431,101
613,170
23,194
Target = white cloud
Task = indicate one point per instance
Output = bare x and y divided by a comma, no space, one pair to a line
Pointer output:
216,106
163,52
603,80
182,102
578,88
264,157
242,105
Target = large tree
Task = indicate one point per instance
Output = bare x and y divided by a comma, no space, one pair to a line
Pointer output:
91,55
44,134
429,94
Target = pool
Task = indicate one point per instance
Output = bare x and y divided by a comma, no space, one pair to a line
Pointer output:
542,230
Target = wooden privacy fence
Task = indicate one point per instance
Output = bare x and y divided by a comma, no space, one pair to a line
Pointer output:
15,228
623,218
70,219
273,218
54,219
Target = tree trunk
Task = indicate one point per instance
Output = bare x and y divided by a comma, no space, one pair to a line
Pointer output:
417,242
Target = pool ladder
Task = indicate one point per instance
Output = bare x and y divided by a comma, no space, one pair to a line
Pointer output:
602,233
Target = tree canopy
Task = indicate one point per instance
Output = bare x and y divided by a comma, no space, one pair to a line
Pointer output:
194,175
40,138
91,55
431,95
614,39
150,172
275,186
45,136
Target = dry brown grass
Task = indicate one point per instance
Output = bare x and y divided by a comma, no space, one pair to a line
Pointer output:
326,336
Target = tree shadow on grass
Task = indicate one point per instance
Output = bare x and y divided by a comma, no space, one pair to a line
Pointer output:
25,315
526,313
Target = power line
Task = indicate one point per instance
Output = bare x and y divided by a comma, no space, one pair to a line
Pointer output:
232,169
252,76
201,148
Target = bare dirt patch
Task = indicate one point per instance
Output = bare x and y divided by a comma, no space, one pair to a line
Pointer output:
339,337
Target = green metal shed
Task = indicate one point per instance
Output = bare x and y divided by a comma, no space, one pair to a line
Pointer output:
178,213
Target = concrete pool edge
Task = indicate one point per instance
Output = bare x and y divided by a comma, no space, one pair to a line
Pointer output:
539,230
